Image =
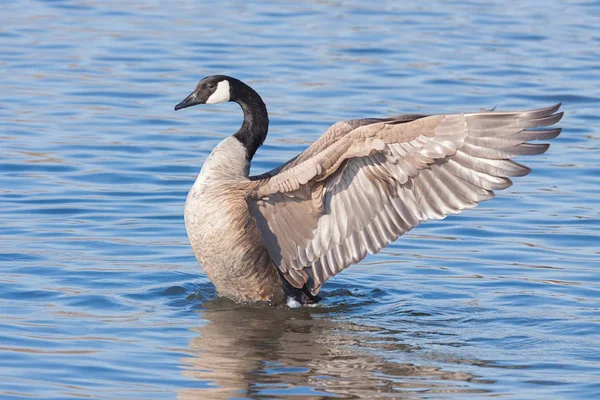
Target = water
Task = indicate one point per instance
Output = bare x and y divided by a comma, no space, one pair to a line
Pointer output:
100,294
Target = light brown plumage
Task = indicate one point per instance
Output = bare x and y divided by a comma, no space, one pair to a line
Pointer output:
366,182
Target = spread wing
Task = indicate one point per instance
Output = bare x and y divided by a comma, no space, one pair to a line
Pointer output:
366,182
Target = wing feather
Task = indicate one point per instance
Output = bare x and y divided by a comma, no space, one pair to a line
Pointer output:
366,182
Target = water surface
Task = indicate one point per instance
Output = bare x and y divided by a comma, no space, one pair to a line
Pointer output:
100,293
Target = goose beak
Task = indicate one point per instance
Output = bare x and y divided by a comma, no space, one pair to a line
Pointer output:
189,101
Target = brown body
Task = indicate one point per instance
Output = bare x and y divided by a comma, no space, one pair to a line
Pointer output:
224,235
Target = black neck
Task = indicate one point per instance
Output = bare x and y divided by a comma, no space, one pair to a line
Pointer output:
254,129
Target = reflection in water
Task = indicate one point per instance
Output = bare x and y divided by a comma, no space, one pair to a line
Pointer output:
248,352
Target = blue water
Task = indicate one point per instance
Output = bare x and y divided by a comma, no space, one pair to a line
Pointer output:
100,293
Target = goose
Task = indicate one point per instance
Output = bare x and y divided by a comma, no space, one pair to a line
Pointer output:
275,238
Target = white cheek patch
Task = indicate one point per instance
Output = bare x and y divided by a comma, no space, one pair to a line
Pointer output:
221,94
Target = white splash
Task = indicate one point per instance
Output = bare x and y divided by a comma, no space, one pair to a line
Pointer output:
293,303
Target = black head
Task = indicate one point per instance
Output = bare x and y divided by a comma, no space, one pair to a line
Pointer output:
220,88
210,90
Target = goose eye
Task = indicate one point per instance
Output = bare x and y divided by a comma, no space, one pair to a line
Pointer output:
211,85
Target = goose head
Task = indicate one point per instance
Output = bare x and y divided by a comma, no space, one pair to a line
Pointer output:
221,88
210,90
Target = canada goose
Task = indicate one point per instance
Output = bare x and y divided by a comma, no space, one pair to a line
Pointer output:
361,185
